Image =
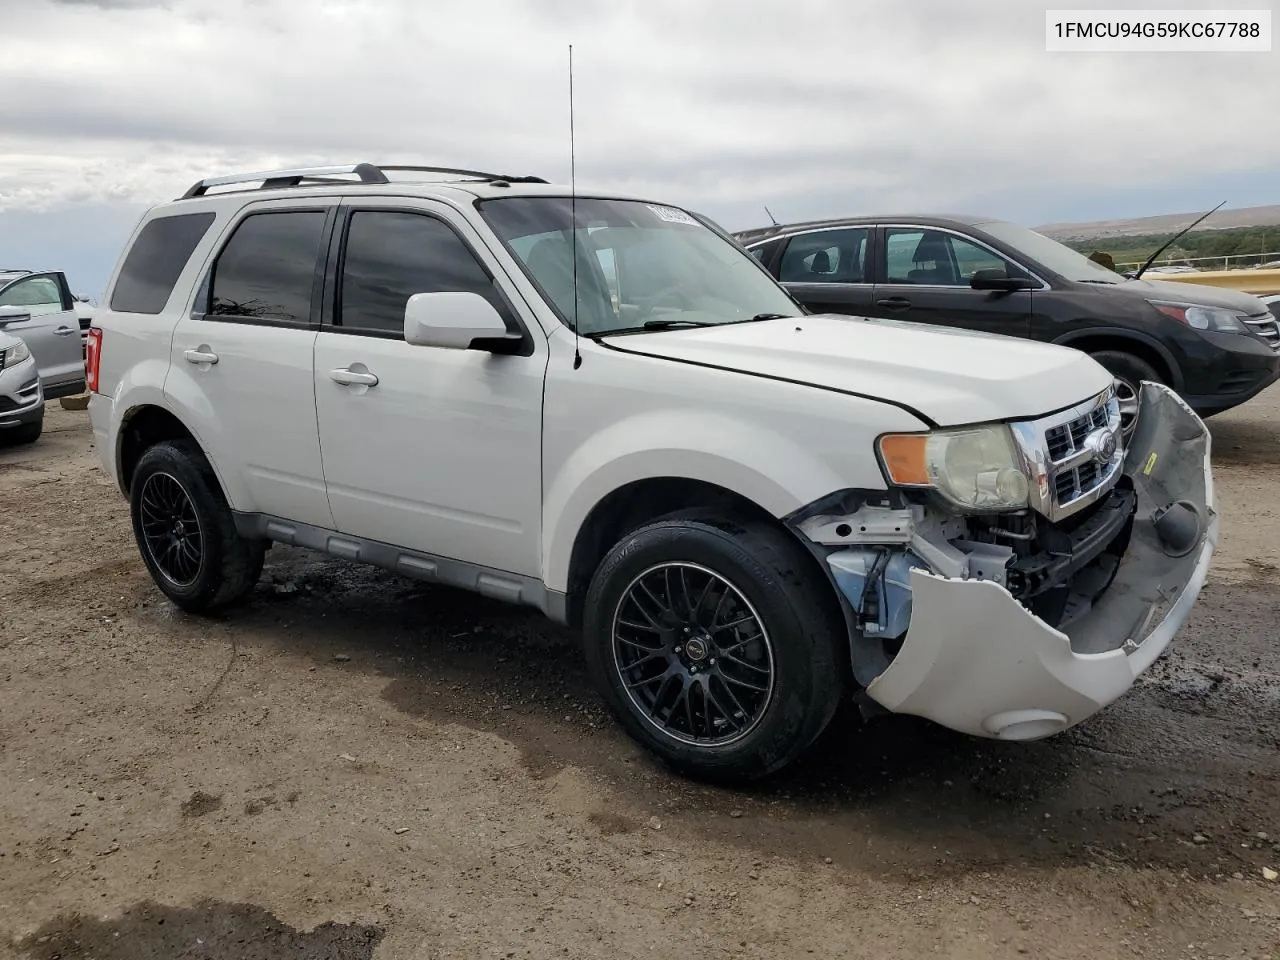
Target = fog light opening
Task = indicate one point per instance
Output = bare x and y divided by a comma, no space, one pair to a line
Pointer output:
1025,724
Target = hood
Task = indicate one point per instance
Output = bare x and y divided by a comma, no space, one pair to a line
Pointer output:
951,376
1186,292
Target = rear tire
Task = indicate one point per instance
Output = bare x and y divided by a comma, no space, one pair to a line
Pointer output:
185,530
26,434
1129,372
716,644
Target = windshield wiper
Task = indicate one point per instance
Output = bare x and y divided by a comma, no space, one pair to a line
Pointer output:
668,323
768,316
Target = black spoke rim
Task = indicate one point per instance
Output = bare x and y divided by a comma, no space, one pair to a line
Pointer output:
693,654
171,529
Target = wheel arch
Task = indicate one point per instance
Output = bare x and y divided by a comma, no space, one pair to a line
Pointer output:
639,502
1143,346
141,428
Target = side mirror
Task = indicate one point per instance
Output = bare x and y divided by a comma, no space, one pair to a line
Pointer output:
456,321
13,314
994,279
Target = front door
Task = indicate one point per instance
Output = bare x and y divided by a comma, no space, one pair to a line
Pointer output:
40,310
827,270
924,276
430,449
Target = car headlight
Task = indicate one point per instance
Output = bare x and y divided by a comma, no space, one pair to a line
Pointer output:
1213,319
12,356
975,468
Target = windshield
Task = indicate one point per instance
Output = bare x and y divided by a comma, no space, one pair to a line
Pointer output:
639,265
1053,255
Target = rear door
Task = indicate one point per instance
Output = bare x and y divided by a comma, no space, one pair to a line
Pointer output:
242,357
923,275
39,308
826,270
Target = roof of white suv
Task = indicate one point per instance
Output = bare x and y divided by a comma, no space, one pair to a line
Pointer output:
371,179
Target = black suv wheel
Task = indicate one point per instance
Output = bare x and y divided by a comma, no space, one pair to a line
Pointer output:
185,530
715,644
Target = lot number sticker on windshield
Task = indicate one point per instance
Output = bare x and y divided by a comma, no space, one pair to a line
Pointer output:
672,215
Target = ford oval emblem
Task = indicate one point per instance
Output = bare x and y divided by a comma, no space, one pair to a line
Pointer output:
1104,444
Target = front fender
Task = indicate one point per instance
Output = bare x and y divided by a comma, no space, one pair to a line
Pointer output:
1118,335
755,462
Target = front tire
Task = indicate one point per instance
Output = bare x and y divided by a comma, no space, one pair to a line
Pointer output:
716,644
185,530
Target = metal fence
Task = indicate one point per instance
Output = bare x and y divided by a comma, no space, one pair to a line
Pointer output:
1235,261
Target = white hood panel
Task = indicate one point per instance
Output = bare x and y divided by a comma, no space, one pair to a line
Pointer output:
951,376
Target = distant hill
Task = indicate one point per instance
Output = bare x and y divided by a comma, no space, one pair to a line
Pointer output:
1167,223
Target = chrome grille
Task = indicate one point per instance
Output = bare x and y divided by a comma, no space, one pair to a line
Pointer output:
1265,326
1066,458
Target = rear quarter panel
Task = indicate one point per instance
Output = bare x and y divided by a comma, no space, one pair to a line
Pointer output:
134,360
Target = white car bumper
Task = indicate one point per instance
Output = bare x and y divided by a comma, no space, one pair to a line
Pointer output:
976,660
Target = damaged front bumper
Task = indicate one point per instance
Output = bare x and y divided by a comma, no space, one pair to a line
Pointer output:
975,659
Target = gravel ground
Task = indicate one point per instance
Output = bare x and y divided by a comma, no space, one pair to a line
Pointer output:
356,766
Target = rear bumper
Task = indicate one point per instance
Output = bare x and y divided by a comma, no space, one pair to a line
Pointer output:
976,660
104,438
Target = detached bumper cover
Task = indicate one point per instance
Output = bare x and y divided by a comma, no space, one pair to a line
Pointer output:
975,660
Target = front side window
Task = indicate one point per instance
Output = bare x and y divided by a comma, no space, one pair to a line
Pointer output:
36,295
935,258
155,261
638,265
268,267
390,256
829,256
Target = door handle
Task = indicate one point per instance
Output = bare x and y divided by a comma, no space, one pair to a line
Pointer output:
200,356
65,331
353,378
894,303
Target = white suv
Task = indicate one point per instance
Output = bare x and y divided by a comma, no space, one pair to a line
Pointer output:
606,409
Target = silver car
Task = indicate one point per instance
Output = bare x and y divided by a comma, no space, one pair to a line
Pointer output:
39,308
1273,304
21,399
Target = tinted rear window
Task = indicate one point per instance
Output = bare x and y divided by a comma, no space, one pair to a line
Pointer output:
156,260
268,267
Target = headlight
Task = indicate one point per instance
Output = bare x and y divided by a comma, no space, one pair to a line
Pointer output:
12,356
1214,319
975,468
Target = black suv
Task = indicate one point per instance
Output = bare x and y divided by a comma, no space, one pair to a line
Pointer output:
1217,348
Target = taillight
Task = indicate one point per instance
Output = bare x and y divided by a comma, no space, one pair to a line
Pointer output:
92,355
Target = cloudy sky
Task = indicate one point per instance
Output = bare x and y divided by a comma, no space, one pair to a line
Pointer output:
813,107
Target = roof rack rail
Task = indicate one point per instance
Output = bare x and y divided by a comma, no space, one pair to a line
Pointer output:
367,172
477,174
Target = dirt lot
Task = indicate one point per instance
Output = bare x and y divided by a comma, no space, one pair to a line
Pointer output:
355,766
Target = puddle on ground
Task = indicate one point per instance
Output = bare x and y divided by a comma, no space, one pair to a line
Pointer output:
209,930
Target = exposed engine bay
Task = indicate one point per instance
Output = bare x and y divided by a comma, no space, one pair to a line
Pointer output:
1049,619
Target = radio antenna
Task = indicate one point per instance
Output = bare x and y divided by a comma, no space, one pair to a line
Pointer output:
771,217
573,217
